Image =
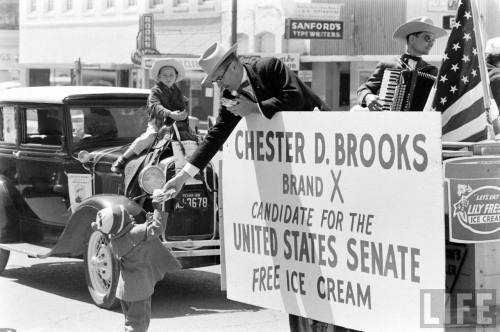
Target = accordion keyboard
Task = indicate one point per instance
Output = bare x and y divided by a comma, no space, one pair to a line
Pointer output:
390,81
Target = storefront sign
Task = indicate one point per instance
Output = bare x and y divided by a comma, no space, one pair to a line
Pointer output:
188,63
473,199
146,43
306,75
313,29
292,60
335,222
448,22
316,11
442,5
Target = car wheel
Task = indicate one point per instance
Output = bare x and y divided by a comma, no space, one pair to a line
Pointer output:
101,271
4,258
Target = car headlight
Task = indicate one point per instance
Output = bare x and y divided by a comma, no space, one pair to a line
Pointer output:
151,178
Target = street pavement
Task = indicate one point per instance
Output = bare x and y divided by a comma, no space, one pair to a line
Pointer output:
50,295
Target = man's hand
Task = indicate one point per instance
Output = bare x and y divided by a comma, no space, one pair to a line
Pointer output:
373,103
178,115
171,188
244,107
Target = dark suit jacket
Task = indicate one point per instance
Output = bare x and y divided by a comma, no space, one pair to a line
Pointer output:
494,74
276,88
372,85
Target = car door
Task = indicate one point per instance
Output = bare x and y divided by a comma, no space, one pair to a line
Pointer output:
41,162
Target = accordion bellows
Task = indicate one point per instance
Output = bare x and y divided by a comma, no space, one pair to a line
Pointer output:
404,90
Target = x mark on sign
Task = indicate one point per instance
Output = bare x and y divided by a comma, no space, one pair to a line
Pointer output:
336,186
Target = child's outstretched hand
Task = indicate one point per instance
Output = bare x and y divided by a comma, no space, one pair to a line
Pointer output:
178,115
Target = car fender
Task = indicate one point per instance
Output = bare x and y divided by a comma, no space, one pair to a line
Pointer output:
73,240
10,200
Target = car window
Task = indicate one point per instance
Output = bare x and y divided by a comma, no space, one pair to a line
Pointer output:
43,125
107,122
8,128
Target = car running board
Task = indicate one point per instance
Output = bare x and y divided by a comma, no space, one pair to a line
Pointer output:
29,249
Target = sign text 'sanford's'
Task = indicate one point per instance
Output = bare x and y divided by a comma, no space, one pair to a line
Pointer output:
314,29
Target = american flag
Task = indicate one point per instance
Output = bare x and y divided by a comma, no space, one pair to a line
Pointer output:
458,92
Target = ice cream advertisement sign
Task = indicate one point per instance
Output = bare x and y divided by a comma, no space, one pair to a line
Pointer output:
474,199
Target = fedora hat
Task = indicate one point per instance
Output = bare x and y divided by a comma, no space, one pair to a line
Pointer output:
492,46
212,58
418,24
168,62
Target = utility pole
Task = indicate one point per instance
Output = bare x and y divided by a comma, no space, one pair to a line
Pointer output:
78,72
234,22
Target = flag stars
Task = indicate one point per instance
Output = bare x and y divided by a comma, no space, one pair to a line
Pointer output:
474,51
467,15
454,67
464,79
443,78
473,72
465,58
453,89
466,36
445,57
457,25
443,101
456,46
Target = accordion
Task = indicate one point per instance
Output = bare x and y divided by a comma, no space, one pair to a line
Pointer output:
404,90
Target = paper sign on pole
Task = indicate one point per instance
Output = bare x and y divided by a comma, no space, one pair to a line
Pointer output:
336,216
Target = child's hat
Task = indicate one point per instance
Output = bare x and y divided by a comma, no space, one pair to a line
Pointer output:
112,220
168,62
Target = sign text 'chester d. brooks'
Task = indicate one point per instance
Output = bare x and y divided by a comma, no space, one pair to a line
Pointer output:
335,216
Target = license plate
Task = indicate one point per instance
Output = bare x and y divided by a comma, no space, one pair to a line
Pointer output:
195,200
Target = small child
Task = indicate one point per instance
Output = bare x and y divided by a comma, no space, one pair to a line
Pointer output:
143,260
166,104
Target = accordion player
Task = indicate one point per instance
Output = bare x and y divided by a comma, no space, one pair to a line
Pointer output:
405,90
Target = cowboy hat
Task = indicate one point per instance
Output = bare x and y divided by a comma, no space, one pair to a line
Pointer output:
418,24
492,46
212,58
168,62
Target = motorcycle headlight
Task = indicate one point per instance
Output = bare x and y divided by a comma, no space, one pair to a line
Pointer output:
151,178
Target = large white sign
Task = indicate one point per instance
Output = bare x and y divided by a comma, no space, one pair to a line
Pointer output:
316,10
336,216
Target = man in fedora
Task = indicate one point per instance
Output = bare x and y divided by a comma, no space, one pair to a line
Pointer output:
419,35
265,87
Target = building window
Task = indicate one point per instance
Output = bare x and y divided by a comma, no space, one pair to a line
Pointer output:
89,4
178,3
32,6
131,3
242,40
265,43
110,3
69,5
205,2
344,89
154,3
50,6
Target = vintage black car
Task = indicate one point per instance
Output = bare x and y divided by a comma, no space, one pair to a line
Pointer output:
57,145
